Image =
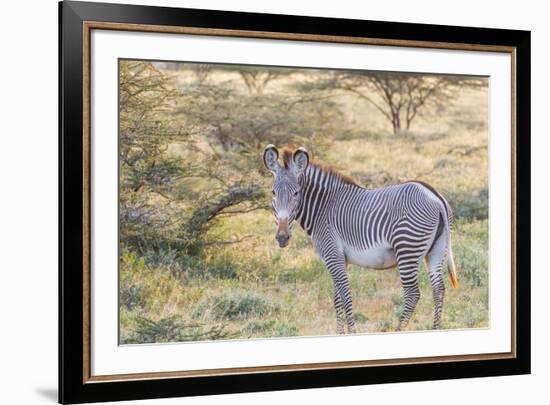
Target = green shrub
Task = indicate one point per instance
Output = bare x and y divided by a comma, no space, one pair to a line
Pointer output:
270,328
132,297
360,317
240,305
312,272
220,267
397,301
470,251
473,266
385,325
469,204
162,258
473,316
171,329
223,269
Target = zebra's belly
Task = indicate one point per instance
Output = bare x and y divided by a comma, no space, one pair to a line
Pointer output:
376,257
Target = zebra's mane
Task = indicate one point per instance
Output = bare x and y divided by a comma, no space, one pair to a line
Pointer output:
287,155
331,171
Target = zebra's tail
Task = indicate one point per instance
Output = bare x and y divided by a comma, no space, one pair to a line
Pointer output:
451,266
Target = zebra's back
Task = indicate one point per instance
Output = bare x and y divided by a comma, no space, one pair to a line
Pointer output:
370,225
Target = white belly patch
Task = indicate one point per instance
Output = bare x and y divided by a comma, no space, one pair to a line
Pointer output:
376,258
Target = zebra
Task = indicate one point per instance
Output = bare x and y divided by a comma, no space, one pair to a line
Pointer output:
398,225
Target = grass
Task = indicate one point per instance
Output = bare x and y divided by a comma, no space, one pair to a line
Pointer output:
290,294
254,289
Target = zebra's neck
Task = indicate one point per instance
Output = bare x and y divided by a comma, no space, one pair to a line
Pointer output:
320,186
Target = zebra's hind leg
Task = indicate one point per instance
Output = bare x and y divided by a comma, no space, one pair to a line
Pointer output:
438,288
411,295
434,262
408,272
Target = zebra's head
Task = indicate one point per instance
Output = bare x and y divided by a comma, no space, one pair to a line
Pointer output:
287,187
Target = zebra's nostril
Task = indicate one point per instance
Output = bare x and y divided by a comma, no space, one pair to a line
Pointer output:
282,238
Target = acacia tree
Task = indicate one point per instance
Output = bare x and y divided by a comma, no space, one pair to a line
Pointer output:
235,118
144,135
400,97
257,79
170,201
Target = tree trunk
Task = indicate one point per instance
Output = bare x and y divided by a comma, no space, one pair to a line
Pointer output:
396,123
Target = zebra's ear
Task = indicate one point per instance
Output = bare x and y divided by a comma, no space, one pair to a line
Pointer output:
271,154
301,160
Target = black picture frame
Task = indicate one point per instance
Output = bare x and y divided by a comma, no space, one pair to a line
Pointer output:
73,387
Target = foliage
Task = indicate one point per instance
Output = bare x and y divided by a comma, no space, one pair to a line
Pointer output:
471,252
271,327
399,97
132,297
257,79
172,329
145,129
245,120
473,204
209,209
237,305
157,211
145,169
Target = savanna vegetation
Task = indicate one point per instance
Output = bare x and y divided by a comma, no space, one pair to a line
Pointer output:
198,257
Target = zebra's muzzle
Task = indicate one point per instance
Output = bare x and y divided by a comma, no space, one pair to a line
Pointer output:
282,235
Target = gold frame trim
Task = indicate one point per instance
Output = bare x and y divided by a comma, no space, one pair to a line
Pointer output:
86,36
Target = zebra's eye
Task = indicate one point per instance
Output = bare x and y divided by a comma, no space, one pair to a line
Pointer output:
295,194
273,192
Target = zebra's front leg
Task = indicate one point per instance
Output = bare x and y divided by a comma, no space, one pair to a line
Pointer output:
340,314
345,293
342,294
408,272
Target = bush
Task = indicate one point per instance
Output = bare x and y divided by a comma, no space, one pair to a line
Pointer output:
271,328
360,317
161,258
132,297
171,329
470,251
309,272
469,205
220,267
238,305
398,307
